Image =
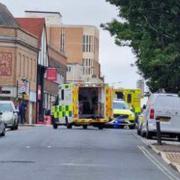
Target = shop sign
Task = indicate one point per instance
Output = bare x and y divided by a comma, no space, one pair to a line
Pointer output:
51,74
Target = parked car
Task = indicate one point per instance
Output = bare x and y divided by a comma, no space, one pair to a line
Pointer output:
9,114
166,108
2,126
125,115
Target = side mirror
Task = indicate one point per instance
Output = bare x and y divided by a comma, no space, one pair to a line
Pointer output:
144,107
16,111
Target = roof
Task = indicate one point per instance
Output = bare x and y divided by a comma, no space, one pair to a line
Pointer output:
6,18
33,25
44,12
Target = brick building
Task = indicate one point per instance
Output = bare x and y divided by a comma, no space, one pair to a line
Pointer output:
18,63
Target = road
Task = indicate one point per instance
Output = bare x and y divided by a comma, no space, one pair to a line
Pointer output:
35,153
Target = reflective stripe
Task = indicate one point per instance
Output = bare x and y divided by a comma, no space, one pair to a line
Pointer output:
62,111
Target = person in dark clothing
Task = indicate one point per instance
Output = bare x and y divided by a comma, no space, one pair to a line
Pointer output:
22,112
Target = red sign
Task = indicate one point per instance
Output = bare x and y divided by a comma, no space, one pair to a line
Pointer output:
5,64
51,74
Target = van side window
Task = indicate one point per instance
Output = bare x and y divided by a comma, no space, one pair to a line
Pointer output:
129,98
62,94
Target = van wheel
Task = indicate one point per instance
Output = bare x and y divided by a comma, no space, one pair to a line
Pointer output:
142,134
84,126
138,132
148,135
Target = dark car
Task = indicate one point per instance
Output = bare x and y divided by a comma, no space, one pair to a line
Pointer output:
118,122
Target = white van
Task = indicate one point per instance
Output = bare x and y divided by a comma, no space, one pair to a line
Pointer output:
166,108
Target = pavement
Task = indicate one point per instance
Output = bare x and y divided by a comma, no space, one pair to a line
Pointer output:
169,152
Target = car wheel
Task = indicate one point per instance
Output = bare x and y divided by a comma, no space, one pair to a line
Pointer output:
132,126
12,128
121,126
3,133
16,127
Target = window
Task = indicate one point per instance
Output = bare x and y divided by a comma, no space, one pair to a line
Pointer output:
19,65
62,40
129,98
87,43
62,94
69,69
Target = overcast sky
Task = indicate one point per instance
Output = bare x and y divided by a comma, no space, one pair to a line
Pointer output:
115,61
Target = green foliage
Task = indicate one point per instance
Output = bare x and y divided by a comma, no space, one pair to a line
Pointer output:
152,29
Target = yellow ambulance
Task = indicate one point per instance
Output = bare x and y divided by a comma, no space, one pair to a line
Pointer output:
131,96
83,104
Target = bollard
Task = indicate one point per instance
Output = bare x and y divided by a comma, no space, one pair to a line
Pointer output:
158,128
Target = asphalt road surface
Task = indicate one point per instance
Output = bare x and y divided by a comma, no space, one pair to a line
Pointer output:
42,153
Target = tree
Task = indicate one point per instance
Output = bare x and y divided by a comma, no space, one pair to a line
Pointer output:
152,29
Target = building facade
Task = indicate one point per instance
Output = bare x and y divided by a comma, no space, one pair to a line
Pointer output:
56,54
37,27
82,50
18,62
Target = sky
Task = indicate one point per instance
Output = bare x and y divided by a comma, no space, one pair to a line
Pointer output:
115,61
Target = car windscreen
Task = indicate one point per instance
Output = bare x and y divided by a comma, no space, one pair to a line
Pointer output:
120,105
171,102
6,107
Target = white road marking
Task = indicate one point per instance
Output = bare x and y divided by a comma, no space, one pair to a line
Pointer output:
163,169
49,147
28,147
83,165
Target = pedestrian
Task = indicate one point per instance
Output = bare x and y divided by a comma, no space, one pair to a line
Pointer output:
22,111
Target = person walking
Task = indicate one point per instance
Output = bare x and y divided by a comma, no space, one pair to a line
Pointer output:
22,111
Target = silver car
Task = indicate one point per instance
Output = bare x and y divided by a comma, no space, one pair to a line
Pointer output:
166,108
2,126
9,114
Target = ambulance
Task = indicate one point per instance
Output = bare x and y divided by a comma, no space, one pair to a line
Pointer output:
83,104
131,96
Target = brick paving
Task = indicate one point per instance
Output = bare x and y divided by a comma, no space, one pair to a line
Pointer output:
170,153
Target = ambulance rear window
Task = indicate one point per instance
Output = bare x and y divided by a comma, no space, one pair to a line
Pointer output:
62,94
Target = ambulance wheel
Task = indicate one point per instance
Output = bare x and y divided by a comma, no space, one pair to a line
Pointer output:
69,126
84,126
55,126
100,127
